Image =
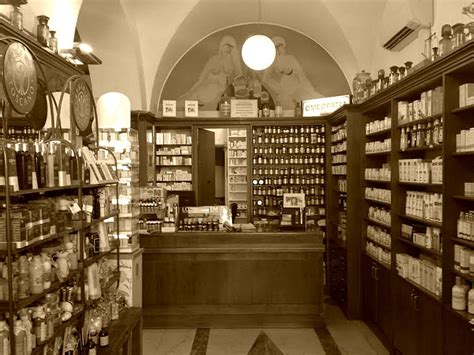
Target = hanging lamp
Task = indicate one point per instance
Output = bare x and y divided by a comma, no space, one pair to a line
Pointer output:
258,51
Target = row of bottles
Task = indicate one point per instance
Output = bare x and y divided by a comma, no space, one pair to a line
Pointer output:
289,171
289,130
291,180
313,138
290,150
422,135
293,160
37,165
279,191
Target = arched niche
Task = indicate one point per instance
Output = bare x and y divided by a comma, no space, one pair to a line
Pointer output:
305,69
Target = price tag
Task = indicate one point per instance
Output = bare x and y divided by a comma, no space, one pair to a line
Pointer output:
74,208
87,208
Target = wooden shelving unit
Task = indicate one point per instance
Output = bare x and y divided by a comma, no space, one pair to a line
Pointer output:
343,243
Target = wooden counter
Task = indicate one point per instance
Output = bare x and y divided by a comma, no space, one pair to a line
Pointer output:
208,279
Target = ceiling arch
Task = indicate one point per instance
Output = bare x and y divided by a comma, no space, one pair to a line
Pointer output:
300,16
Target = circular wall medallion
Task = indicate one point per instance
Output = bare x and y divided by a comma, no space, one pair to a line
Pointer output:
81,102
39,114
19,78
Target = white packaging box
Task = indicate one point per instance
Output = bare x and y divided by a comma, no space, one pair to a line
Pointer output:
423,104
462,95
469,93
402,111
402,265
438,280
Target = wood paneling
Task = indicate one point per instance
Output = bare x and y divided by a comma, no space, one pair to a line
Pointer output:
263,281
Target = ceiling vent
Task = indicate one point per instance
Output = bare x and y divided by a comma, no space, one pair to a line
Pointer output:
401,21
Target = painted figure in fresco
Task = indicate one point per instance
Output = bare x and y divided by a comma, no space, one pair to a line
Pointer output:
212,80
286,79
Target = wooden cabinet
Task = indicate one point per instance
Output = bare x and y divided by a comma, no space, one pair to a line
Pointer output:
418,321
458,334
377,298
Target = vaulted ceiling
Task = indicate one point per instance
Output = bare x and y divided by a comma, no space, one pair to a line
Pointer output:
140,41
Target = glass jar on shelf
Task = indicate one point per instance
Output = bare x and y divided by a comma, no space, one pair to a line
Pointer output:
445,44
458,35
42,30
359,85
393,76
16,18
381,80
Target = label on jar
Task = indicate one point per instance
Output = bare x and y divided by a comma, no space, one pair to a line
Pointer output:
104,340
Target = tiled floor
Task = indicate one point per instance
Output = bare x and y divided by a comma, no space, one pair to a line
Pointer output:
340,336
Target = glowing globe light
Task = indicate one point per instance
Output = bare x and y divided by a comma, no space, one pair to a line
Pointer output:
258,52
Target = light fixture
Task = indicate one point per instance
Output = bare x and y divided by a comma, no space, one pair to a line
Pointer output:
80,53
258,51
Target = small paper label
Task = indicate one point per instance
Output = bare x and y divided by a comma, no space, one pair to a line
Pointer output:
87,208
74,208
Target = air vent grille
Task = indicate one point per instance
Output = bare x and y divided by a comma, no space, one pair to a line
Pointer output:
398,37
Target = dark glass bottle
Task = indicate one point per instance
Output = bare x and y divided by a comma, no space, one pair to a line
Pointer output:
28,166
104,334
91,346
42,30
21,168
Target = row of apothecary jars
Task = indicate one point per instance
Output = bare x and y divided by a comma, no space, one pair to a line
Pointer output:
285,171
290,150
452,37
292,139
259,160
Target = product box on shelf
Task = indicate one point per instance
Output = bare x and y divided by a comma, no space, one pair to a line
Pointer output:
466,94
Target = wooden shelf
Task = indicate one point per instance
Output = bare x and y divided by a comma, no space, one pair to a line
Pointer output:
423,120
422,248
461,154
421,220
382,132
464,315
173,155
367,239
174,165
378,223
385,203
467,276
427,184
172,144
463,109
422,289
387,152
379,181
466,243
464,198
421,149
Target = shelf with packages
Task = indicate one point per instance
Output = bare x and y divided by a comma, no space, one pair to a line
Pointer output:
236,171
421,247
428,222
465,275
172,158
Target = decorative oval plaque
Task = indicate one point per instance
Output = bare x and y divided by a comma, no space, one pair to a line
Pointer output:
81,102
19,78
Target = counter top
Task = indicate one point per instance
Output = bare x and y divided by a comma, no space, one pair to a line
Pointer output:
212,242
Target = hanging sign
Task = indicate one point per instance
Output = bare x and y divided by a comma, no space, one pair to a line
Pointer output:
324,106
20,84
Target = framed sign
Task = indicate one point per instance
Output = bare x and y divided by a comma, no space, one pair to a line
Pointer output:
293,200
169,108
191,108
324,106
243,108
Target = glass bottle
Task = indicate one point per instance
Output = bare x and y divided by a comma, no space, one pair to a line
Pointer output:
401,71
16,18
445,44
298,112
403,139
36,275
278,108
393,76
458,35
104,337
53,42
224,103
470,33
358,85
381,80
42,30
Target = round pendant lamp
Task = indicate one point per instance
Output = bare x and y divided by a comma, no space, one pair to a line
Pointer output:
258,51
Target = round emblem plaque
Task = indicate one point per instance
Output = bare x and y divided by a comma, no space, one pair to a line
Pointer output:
20,83
81,105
